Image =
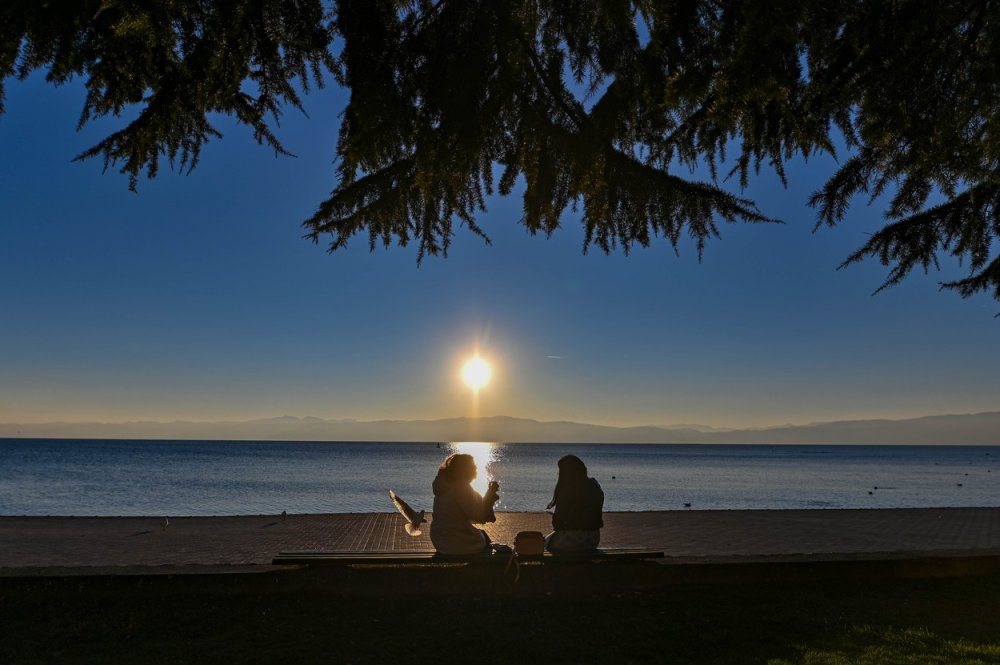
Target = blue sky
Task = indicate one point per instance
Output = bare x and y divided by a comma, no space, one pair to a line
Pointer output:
198,298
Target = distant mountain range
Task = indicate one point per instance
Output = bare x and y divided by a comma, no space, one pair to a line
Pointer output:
978,428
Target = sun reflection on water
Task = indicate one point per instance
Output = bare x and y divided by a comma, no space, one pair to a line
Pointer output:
484,453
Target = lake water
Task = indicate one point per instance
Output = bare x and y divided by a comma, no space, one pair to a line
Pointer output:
113,477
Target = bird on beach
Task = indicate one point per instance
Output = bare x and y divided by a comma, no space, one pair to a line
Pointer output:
165,523
413,518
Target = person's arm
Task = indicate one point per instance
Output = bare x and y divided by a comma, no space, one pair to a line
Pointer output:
492,496
598,503
555,498
477,508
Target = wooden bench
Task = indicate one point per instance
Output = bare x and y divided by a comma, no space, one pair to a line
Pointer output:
351,558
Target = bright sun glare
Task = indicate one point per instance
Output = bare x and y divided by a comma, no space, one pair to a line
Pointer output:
476,373
484,454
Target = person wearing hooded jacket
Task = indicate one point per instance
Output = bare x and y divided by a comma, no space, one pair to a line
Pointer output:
578,502
458,507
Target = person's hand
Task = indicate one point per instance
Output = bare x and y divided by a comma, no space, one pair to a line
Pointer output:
493,491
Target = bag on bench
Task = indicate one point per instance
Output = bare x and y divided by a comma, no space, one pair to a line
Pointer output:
529,543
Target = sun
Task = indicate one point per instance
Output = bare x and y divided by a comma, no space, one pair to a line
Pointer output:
476,372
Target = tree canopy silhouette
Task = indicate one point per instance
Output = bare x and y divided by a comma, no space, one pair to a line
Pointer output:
583,104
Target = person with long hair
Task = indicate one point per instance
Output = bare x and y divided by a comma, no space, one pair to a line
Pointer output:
578,501
458,507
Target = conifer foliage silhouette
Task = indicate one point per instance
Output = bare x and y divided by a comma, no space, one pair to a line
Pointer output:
600,108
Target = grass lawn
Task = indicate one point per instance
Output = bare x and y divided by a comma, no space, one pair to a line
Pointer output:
581,615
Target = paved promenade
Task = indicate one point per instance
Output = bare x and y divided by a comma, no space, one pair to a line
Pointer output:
52,544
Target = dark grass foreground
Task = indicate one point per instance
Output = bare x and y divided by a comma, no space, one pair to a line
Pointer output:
635,614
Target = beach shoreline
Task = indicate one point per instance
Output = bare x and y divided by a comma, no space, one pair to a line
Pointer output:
735,586
60,545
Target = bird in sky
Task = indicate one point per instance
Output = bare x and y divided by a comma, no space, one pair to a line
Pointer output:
413,518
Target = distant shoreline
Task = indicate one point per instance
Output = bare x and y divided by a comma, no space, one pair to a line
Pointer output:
961,429
515,443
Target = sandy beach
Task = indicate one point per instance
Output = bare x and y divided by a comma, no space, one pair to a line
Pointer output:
754,587
36,545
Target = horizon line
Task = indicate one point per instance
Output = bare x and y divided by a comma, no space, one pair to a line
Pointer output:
357,421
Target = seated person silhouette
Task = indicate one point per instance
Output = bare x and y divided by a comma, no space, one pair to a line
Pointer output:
578,502
458,507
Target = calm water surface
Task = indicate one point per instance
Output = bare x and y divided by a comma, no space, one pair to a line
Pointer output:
104,477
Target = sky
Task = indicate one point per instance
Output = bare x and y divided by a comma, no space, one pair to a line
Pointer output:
197,298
